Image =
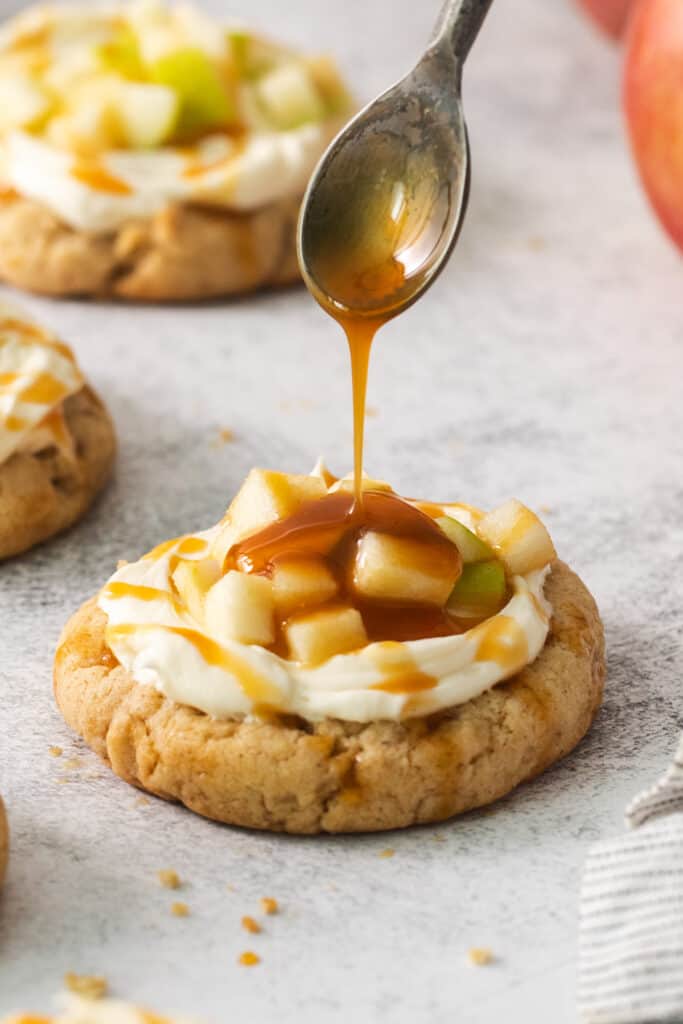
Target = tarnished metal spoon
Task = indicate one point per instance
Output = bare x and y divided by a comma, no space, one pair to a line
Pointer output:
385,204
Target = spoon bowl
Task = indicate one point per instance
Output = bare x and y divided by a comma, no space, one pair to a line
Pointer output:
384,207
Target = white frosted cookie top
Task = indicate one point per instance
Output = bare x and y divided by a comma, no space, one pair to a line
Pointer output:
200,635
109,114
96,1011
37,372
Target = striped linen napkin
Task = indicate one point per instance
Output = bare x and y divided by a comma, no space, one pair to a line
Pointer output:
631,914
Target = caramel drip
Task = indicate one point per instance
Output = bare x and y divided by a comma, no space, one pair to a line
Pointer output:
44,390
7,379
504,642
402,674
15,423
187,545
198,167
255,686
31,333
97,177
410,682
135,590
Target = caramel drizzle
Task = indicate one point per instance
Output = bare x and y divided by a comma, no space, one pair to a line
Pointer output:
255,686
98,178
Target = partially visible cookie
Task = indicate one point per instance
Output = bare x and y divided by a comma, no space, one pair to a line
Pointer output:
94,1011
57,440
181,253
285,774
4,841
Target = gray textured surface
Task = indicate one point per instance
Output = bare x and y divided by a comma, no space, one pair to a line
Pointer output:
546,363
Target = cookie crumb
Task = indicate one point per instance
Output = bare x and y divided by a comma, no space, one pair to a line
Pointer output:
168,878
480,956
439,839
249,959
89,986
250,925
180,910
142,801
73,762
56,751
545,509
226,436
269,905
371,411
387,853
230,887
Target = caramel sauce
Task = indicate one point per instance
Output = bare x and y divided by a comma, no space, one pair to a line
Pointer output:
7,379
15,423
31,333
44,390
196,167
503,641
97,177
255,686
140,593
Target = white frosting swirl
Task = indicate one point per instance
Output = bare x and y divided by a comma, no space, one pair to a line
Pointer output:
156,639
37,372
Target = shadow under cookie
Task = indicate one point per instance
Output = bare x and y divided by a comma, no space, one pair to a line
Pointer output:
43,493
288,775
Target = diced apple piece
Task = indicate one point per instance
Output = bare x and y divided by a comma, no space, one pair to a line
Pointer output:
319,635
518,537
23,102
87,127
205,101
480,591
266,496
240,607
289,97
471,547
192,580
392,568
301,583
122,55
251,55
147,113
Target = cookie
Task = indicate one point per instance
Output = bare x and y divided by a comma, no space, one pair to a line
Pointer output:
182,253
4,841
44,492
284,774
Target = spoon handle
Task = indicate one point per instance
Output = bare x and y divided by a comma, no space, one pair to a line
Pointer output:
458,25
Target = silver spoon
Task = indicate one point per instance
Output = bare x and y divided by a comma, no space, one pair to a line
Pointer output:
385,204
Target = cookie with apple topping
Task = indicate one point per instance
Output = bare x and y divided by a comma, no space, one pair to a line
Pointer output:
150,152
312,663
57,440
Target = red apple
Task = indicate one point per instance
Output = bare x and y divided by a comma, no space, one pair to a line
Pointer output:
610,15
653,101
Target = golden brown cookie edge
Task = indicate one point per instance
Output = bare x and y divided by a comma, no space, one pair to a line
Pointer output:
41,497
334,776
183,253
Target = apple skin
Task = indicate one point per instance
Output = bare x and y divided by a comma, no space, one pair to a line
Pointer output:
609,15
653,103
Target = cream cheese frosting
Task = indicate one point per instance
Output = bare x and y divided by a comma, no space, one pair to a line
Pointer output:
37,372
49,58
220,171
156,639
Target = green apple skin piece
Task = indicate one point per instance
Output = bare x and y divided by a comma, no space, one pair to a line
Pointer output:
252,56
147,114
471,547
289,97
205,101
480,591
